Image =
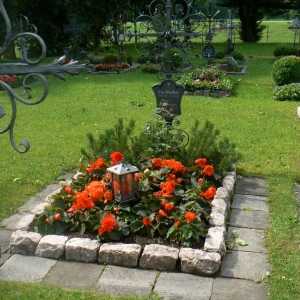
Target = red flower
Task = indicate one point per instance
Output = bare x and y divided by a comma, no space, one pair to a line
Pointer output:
157,162
201,162
116,156
176,223
168,186
108,223
137,176
108,196
147,221
98,164
208,170
68,189
169,206
162,213
210,193
190,217
83,201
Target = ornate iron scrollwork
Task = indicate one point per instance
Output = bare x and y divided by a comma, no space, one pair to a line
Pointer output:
31,69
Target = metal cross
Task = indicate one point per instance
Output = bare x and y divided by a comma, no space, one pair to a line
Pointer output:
170,21
74,28
29,68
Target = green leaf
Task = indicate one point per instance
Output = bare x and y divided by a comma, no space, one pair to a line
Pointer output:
240,242
115,235
124,206
234,234
82,228
136,225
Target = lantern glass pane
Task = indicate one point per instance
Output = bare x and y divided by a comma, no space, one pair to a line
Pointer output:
116,185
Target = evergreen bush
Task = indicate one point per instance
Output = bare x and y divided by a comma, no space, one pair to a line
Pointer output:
285,51
286,70
288,92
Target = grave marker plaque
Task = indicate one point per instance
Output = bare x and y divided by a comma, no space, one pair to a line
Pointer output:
168,96
209,51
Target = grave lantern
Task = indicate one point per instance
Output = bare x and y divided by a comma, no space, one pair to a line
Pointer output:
123,183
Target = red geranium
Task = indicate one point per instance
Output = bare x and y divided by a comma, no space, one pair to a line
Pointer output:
117,156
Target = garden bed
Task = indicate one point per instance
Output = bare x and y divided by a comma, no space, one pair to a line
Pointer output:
137,252
115,72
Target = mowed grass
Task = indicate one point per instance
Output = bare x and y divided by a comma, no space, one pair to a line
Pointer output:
265,132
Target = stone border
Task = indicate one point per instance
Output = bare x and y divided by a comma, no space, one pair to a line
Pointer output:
206,261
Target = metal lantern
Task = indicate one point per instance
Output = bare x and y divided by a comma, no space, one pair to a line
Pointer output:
123,183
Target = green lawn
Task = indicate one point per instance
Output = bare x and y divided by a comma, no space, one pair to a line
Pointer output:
266,133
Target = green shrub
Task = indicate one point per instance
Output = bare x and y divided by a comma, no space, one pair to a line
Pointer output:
110,58
237,55
95,59
288,92
285,51
286,70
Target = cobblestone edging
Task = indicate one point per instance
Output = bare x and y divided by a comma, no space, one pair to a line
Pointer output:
193,261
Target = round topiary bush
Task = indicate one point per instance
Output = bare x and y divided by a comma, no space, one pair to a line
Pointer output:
288,92
286,70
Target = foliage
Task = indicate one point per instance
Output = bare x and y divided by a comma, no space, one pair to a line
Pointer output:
286,70
95,59
174,200
288,92
207,79
283,50
110,58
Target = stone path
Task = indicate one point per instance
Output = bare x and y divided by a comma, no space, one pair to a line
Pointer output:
241,268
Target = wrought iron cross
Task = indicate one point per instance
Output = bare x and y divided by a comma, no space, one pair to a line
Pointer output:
170,21
29,68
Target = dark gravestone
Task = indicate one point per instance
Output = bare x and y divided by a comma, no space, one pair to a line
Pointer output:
168,96
209,51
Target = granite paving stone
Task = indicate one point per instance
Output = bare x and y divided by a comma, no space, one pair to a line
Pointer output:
251,186
4,257
74,275
118,281
250,201
238,289
249,219
253,237
26,268
175,286
11,221
245,265
5,235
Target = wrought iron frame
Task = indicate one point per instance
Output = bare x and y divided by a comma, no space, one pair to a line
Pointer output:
29,68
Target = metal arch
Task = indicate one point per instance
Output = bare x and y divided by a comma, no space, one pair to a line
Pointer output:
29,68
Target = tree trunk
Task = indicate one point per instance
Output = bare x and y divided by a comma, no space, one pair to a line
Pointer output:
10,53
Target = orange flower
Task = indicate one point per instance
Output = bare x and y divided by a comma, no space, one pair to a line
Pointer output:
171,177
98,164
147,221
201,162
108,223
162,213
116,156
210,193
108,196
157,162
89,170
168,186
176,223
137,176
179,180
169,206
163,203
83,201
208,170
190,217
101,230
95,194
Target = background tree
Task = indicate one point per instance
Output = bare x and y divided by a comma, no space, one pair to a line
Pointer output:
252,12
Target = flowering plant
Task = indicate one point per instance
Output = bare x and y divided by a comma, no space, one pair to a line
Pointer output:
174,201
208,79
111,67
9,79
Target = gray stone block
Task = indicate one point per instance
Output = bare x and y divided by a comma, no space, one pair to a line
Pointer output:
82,249
5,235
26,223
253,237
175,286
222,193
23,242
26,268
51,246
117,281
62,275
249,219
245,265
11,221
39,208
249,201
251,186
199,262
215,241
125,255
159,257
239,289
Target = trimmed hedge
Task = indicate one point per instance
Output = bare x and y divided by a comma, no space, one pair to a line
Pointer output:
286,70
